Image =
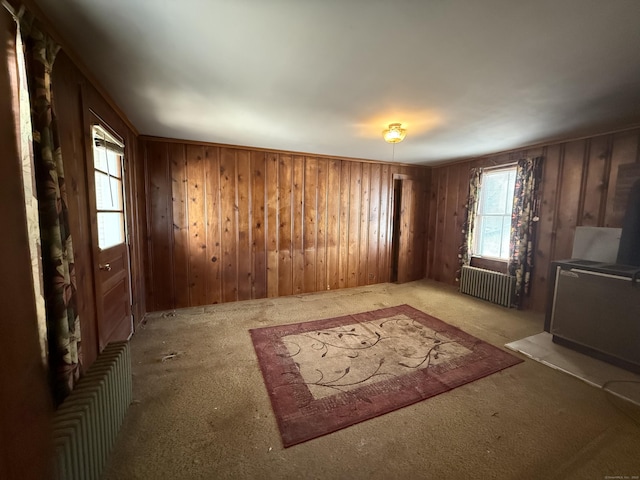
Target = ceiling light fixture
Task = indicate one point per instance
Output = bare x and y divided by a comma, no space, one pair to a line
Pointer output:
394,134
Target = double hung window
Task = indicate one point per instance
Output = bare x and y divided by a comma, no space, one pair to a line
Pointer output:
493,219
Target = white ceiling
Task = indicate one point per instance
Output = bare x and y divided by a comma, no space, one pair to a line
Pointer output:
326,76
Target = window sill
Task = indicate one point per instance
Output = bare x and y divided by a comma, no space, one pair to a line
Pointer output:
495,264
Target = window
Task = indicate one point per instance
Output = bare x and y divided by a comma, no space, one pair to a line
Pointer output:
107,158
493,220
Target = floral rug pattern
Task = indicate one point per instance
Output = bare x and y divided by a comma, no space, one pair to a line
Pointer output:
325,375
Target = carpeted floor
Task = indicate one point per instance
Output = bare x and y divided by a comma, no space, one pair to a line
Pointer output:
201,409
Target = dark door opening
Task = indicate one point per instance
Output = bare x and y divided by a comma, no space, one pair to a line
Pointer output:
396,227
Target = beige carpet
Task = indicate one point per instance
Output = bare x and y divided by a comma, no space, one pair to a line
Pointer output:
201,409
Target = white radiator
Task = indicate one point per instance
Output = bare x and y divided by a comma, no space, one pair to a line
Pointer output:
488,285
85,426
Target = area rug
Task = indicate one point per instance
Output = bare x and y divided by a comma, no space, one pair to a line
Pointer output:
326,375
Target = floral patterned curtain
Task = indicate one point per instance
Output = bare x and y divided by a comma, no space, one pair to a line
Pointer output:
468,228
524,216
63,325
25,136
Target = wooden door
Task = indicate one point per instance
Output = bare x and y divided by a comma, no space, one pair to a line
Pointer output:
113,270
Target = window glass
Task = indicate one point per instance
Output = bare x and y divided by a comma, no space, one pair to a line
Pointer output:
108,192
107,161
493,220
109,189
110,229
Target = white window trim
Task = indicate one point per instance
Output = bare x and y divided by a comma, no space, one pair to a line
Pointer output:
474,244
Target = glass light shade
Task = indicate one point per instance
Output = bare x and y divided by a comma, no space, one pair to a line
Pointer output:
394,134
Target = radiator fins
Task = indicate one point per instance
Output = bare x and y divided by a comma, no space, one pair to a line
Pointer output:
85,426
492,286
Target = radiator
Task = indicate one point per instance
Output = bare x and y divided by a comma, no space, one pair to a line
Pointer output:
492,286
86,424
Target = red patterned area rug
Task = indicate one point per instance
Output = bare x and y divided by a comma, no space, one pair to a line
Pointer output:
329,374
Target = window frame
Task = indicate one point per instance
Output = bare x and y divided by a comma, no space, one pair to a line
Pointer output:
104,141
475,241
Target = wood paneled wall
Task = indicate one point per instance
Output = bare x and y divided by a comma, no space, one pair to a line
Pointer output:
578,189
72,95
229,223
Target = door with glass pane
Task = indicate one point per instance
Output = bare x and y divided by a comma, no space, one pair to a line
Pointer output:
113,269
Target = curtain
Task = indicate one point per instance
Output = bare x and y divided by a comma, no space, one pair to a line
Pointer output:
524,216
468,228
24,134
63,325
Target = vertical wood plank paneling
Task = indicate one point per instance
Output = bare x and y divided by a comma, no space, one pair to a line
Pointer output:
422,212
583,181
197,209
180,209
273,225
160,224
228,221
333,224
545,230
556,201
461,216
432,230
297,240
596,166
285,247
384,244
258,169
417,230
569,200
322,223
449,251
602,209
353,239
254,224
624,150
137,230
363,237
326,222
441,200
405,234
214,223
311,218
373,273
343,250
244,221
578,188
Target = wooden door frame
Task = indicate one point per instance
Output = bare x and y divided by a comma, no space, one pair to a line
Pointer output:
90,118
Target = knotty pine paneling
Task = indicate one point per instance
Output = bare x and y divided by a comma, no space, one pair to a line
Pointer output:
259,210
578,188
230,223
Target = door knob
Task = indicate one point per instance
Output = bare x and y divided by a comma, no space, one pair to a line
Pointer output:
106,267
